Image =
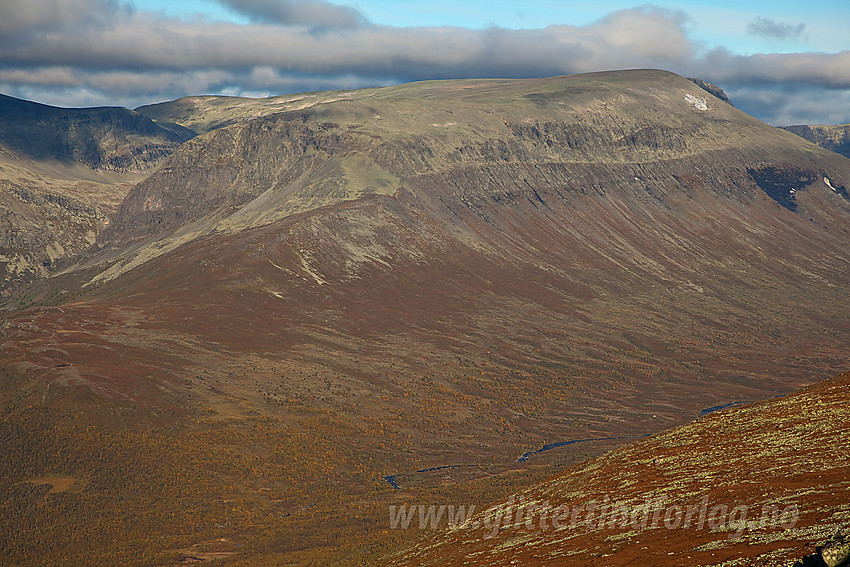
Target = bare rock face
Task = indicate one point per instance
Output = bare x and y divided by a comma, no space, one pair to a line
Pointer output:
833,138
63,172
713,89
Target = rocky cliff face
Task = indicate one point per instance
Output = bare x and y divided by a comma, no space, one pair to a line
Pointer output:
833,138
63,172
712,88
51,212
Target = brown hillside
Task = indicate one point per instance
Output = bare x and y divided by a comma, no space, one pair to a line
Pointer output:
781,463
293,307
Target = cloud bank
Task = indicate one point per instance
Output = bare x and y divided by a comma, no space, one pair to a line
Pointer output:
83,52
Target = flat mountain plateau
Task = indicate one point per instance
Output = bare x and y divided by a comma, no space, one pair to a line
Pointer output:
318,292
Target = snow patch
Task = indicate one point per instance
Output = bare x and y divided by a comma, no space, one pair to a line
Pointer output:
697,102
828,184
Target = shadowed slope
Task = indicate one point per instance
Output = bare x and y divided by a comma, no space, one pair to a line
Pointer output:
109,138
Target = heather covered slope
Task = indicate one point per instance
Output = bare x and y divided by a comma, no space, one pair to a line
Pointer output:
451,273
767,483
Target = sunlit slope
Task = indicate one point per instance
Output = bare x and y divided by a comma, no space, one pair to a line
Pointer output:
568,135
452,273
52,211
762,483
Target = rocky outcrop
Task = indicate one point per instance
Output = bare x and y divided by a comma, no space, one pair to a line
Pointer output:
108,138
833,138
712,88
837,551
834,553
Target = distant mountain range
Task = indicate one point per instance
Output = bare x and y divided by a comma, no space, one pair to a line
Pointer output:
260,310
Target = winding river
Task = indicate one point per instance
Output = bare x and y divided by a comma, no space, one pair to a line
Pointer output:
391,479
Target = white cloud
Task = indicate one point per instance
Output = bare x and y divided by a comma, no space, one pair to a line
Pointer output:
794,105
101,48
18,18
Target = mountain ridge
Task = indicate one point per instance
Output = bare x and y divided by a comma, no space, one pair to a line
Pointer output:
112,138
378,155
424,282
63,173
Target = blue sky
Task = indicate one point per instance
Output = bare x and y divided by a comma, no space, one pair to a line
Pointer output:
784,62
718,22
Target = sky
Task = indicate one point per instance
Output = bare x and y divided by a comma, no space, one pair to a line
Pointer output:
783,62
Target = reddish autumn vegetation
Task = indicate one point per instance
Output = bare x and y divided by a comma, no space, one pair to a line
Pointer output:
295,306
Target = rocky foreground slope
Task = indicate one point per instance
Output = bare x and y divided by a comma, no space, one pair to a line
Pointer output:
760,485
299,304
